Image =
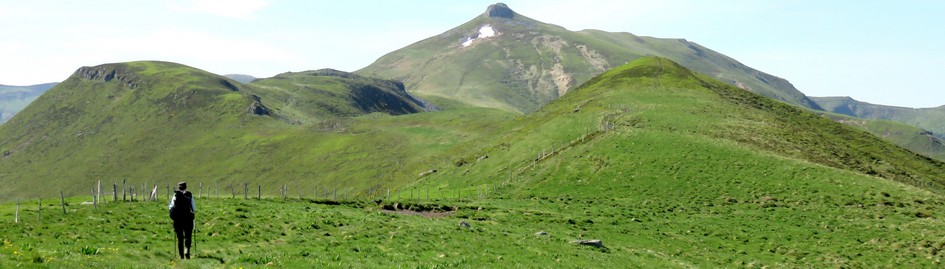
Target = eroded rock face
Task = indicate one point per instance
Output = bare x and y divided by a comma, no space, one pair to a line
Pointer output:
499,10
108,73
257,108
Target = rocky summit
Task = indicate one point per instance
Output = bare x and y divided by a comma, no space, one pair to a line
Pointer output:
499,10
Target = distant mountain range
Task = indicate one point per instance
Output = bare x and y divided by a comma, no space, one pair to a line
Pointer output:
15,98
502,59
241,78
931,119
505,60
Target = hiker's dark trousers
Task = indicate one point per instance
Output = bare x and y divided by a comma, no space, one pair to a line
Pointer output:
184,228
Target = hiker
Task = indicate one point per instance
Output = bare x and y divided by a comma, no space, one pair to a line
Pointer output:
182,211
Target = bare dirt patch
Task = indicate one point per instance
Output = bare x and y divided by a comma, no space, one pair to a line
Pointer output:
428,211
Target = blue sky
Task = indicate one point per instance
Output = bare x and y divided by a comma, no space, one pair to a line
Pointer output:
884,52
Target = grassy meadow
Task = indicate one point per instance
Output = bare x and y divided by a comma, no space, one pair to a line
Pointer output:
848,221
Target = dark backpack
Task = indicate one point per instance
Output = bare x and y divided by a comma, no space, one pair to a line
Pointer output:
181,208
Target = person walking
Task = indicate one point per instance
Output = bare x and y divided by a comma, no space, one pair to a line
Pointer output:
182,210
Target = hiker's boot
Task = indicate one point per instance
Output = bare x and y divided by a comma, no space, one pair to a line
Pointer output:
187,253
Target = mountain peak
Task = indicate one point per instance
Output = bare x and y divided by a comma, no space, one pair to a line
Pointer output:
499,10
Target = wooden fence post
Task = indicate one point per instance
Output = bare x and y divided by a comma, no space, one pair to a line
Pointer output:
39,212
245,190
114,191
168,193
124,189
200,192
388,193
94,204
258,191
16,217
334,195
63,199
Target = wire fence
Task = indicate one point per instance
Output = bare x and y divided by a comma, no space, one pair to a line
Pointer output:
100,194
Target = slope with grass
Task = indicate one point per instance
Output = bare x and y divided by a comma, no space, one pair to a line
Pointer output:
654,99
15,98
505,60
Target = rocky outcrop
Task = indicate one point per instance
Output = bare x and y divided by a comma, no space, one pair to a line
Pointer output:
108,73
499,10
229,85
594,243
257,108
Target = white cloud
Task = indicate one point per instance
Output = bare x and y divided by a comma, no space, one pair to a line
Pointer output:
240,9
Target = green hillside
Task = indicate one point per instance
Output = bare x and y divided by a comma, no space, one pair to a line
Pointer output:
528,63
653,101
931,119
162,123
15,98
669,168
